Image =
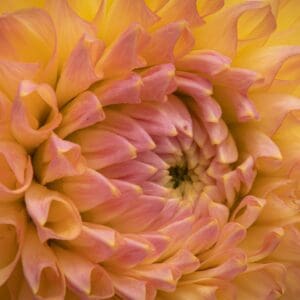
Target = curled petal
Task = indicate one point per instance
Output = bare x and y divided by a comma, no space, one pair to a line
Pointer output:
268,278
40,268
96,242
248,210
265,152
16,171
34,114
85,278
267,61
225,40
56,159
54,215
12,224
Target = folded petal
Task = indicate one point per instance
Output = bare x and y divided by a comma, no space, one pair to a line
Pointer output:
85,278
16,171
34,114
40,268
54,215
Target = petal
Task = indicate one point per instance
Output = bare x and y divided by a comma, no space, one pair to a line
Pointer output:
12,224
84,277
16,171
102,148
225,40
78,70
34,114
167,43
176,10
139,218
54,215
57,158
158,81
124,90
128,128
83,111
40,268
96,242
126,12
69,27
122,56
86,190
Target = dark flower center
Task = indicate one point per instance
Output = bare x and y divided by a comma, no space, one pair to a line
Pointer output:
179,175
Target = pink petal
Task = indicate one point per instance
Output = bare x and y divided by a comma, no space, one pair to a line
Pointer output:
127,127
102,148
87,190
83,111
158,81
124,90
96,242
78,70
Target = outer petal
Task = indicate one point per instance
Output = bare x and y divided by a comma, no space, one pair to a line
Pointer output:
34,114
54,215
12,223
40,268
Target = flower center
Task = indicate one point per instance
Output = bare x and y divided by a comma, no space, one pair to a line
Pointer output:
179,174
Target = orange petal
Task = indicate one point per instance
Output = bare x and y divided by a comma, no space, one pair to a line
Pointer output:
69,27
96,242
16,171
57,158
78,71
34,114
209,36
126,12
122,56
40,268
54,215
177,10
85,278
12,224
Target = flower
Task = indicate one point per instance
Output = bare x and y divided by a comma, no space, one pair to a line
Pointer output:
149,149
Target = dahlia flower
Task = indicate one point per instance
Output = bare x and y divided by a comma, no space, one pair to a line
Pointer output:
149,149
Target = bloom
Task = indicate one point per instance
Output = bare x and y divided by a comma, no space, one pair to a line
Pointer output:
149,149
